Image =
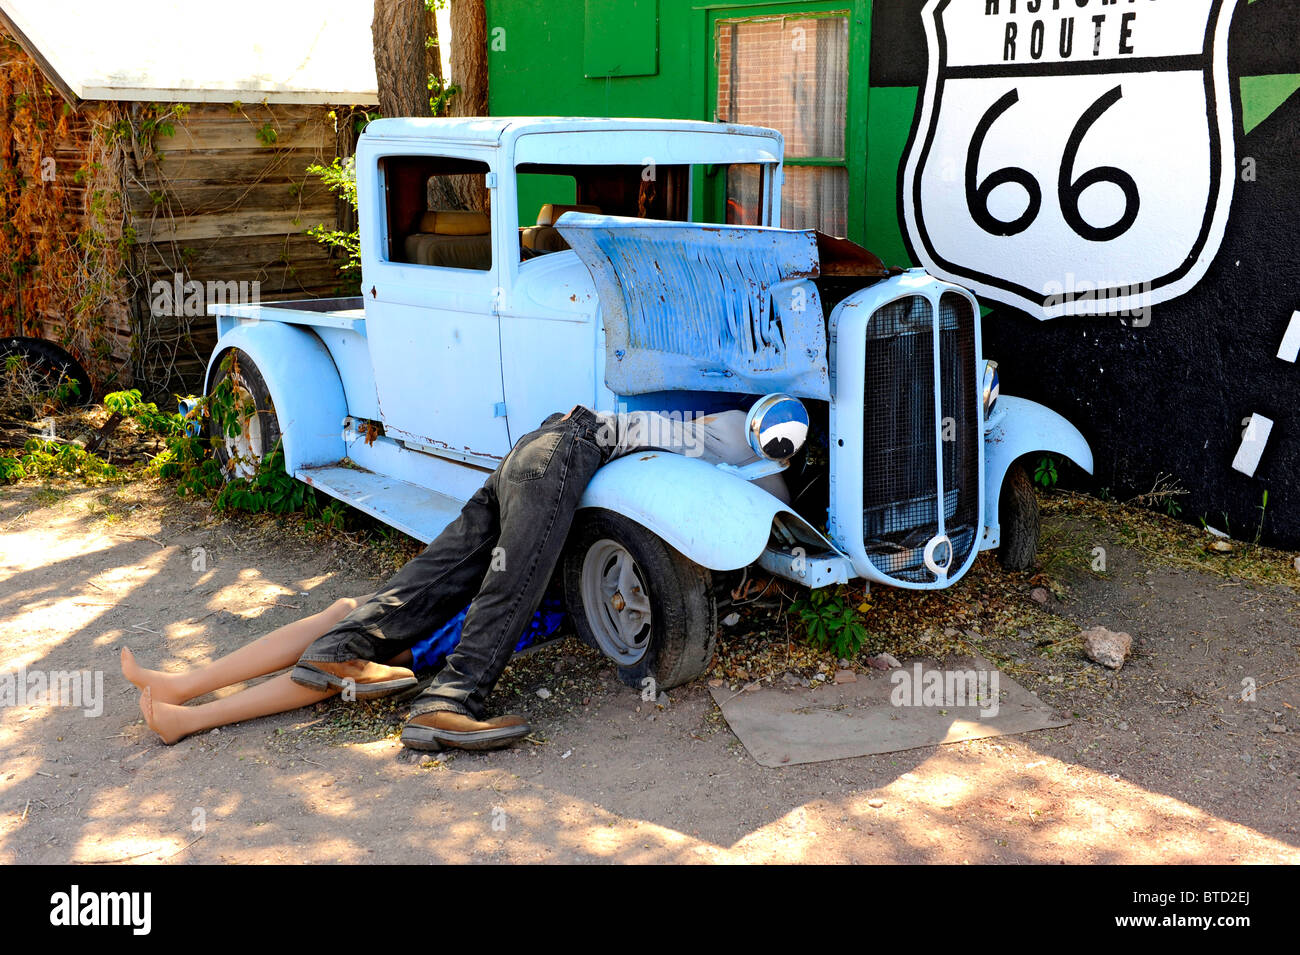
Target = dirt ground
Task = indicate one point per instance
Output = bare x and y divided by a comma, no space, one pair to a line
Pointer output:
1162,762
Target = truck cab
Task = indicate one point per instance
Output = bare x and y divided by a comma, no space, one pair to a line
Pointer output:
515,267
446,291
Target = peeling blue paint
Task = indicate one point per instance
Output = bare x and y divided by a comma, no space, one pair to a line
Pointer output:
690,306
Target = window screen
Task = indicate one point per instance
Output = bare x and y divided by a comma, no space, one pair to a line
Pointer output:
791,73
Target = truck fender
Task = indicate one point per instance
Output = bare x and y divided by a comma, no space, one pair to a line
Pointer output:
1020,427
304,384
716,519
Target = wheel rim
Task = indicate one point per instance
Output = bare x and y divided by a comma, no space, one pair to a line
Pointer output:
616,601
244,450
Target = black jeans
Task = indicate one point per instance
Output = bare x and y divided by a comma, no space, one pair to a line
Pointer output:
500,552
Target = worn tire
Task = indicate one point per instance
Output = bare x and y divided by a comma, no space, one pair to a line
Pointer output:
683,628
50,360
246,377
1018,517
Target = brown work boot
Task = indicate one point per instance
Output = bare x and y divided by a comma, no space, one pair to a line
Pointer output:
368,680
442,728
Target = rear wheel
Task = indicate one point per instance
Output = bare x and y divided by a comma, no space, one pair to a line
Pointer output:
241,449
1018,519
639,601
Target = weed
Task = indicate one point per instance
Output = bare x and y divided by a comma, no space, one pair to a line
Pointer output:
1164,495
11,470
48,459
830,622
1045,473
271,489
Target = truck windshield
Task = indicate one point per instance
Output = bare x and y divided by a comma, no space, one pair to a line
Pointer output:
743,183
546,192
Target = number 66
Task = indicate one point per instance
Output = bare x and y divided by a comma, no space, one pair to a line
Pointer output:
1069,190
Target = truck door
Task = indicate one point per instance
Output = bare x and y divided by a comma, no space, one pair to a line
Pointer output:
430,284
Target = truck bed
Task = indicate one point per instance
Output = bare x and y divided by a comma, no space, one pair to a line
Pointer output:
325,312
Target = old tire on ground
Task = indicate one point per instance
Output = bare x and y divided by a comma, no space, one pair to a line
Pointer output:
49,361
259,429
1018,517
665,627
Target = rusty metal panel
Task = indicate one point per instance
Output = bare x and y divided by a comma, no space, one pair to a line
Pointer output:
692,307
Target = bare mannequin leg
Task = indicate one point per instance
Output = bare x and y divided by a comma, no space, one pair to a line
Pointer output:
164,692
276,650
276,695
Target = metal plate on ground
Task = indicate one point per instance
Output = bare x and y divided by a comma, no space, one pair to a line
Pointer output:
923,704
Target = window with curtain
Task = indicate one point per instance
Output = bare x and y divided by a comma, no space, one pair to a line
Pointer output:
792,73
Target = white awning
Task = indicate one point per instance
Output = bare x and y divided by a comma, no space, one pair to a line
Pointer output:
281,51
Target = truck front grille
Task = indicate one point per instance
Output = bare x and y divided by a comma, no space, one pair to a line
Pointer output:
901,512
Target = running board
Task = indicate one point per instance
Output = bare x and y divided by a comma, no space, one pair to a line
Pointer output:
410,508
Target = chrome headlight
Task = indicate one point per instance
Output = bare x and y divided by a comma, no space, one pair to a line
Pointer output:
777,427
990,388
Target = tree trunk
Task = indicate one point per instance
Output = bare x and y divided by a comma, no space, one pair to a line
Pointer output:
469,69
469,72
400,31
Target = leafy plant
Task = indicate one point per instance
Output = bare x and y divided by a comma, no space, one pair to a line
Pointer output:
129,404
340,178
46,459
333,516
11,470
1045,473
272,489
189,461
830,622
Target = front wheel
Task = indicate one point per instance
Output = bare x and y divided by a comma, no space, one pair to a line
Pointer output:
242,419
639,601
1018,518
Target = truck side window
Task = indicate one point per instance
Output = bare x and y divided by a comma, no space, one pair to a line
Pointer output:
437,212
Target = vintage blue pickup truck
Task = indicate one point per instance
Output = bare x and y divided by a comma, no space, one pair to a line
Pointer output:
605,273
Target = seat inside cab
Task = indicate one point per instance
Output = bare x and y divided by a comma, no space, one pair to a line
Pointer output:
451,239
436,211
544,237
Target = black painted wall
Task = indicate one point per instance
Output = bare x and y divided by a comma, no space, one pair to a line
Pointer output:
1170,398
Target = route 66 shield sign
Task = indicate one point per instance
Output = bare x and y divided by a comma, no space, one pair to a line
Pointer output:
1073,158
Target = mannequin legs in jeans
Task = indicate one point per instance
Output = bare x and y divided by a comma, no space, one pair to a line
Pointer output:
500,552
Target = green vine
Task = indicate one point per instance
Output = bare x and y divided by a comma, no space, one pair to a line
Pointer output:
340,177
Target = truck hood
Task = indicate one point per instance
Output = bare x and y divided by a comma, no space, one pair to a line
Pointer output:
689,306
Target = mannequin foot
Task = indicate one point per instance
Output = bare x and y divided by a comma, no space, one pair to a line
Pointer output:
163,684
165,719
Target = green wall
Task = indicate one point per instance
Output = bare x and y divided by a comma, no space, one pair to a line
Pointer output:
540,63
536,61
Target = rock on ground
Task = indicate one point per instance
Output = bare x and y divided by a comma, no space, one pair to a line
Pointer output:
1107,647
